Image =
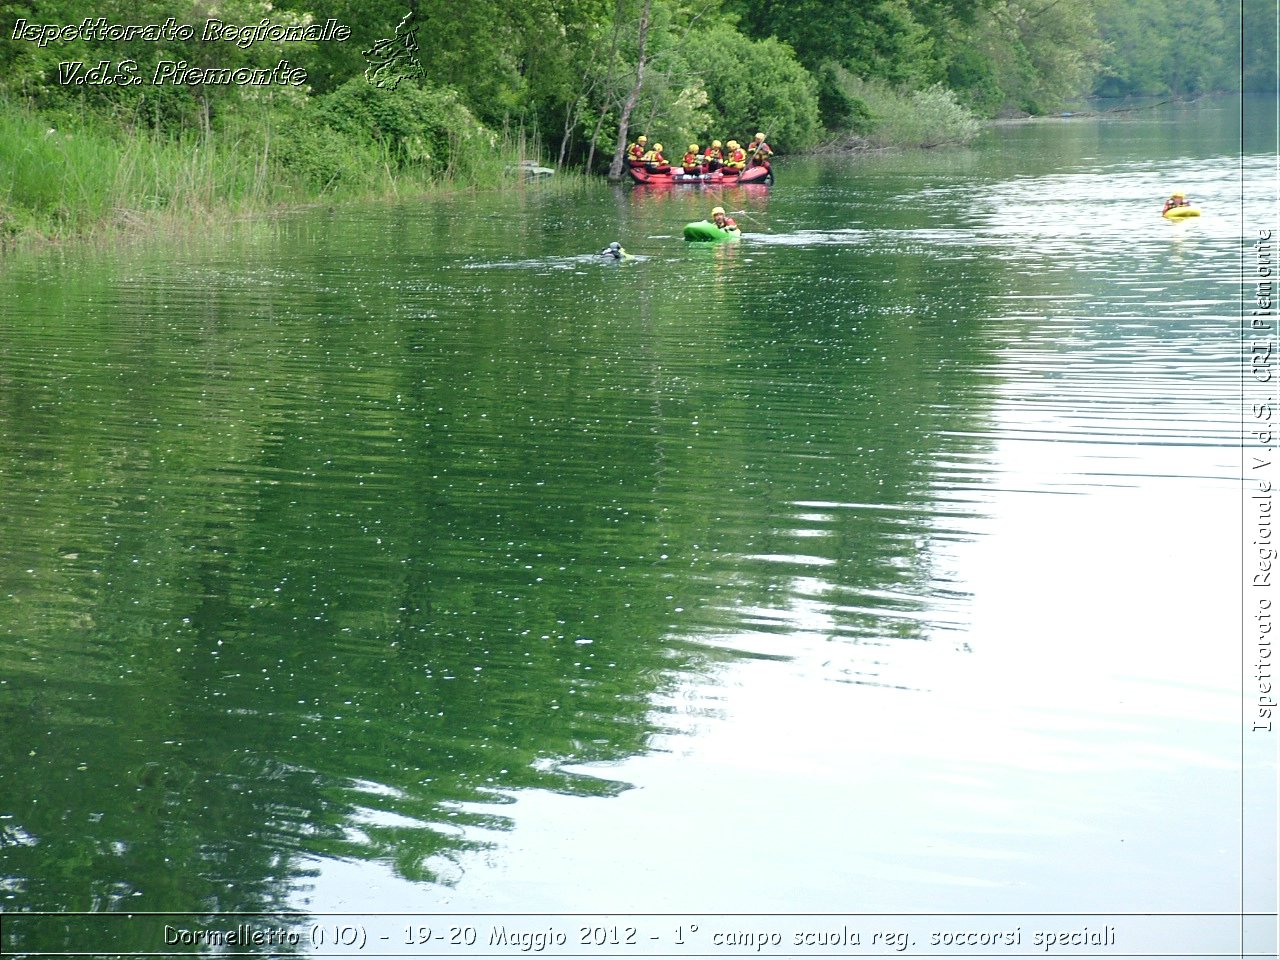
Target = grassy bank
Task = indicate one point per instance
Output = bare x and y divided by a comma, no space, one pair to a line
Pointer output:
66,177
82,178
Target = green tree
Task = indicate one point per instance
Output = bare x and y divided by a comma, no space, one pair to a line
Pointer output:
756,85
873,38
1258,57
1154,48
1028,56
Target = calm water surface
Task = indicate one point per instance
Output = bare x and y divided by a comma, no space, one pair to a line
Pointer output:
410,558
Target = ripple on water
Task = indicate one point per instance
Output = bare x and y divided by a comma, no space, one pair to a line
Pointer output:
383,551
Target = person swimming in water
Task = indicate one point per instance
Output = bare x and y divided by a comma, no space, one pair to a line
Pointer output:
614,250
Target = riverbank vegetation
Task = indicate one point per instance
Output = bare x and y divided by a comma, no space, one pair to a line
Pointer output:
226,108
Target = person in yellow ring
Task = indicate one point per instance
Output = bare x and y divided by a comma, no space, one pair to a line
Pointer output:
736,161
759,150
692,162
1177,199
714,156
722,219
635,152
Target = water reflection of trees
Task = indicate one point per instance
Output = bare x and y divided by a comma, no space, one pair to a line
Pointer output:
339,591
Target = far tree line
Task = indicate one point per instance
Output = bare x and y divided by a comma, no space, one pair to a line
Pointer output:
583,76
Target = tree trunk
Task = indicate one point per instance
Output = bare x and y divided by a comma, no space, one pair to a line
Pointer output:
619,154
608,84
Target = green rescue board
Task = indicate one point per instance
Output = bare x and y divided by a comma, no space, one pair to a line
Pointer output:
705,230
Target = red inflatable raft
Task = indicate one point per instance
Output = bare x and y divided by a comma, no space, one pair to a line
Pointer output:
761,174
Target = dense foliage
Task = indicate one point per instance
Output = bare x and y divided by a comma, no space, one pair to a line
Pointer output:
567,66
1182,49
756,84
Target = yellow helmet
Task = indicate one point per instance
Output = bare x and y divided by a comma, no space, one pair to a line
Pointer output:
716,143
733,144
1179,193
642,139
658,147
715,210
693,148
759,136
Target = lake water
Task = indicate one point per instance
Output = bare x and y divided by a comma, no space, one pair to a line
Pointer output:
410,559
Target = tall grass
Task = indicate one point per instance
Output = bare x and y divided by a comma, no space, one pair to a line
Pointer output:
97,177
89,177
